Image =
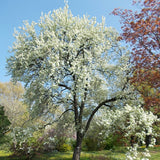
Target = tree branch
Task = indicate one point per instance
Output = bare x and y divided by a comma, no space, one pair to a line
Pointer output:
50,123
70,109
75,102
63,85
96,109
82,106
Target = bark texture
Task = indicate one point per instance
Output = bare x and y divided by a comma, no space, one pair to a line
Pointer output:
77,149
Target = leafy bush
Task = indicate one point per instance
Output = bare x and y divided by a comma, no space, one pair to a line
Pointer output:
112,141
56,141
64,147
24,143
96,143
59,137
6,145
28,141
93,144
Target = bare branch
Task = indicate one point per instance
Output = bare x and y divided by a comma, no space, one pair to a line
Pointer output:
70,109
50,123
63,85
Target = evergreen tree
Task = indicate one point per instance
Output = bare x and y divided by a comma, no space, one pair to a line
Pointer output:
4,123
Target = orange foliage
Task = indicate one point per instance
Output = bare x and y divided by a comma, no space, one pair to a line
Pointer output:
141,29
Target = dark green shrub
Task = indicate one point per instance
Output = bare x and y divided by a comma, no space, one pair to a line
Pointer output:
109,143
96,143
90,144
93,144
4,124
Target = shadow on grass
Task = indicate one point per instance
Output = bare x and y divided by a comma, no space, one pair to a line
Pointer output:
4,158
9,158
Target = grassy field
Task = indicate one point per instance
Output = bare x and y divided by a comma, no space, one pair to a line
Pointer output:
118,154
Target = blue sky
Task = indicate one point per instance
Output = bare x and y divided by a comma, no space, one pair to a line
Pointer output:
13,12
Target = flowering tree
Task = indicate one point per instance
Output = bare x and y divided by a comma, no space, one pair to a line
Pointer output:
141,30
71,62
133,122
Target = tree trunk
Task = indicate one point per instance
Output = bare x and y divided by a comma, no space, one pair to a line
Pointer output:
132,141
77,149
148,140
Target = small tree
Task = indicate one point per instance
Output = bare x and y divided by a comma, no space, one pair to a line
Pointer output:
4,123
71,62
134,122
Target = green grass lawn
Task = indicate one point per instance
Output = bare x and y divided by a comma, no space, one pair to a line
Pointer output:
97,155
118,154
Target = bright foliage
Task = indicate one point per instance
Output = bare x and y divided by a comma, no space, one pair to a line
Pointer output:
142,30
132,122
71,62
11,96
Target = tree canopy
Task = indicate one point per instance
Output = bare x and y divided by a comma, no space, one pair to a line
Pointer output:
71,62
141,30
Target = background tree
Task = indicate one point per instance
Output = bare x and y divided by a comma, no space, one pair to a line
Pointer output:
141,30
4,123
11,97
71,62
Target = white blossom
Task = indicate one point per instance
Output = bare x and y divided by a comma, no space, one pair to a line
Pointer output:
48,53
132,120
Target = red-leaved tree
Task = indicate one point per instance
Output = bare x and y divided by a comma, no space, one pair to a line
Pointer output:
141,29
